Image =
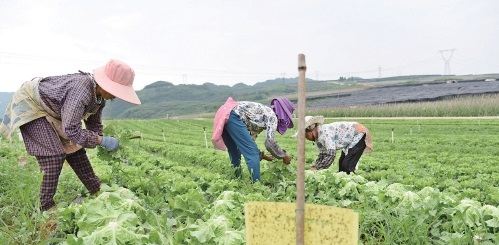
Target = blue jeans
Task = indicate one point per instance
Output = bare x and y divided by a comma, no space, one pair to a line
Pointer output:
238,141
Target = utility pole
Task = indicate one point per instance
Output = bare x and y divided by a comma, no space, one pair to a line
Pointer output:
379,72
446,59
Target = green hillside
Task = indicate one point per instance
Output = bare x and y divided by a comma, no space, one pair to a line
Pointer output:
165,100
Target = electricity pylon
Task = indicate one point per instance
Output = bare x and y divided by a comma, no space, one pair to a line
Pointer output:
446,59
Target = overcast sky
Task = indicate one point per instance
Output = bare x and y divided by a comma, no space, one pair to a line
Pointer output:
227,42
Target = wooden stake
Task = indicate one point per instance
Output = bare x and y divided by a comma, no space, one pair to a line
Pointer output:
205,139
393,139
300,180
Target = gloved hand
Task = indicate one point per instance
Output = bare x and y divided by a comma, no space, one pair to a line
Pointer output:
266,157
109,143
286,159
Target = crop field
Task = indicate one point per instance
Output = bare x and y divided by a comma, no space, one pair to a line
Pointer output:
428,181
407,93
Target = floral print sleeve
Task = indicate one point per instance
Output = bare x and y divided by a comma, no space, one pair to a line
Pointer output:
257,118
332,137
339,135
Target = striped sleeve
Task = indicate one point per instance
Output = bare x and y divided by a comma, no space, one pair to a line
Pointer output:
325,159
73,110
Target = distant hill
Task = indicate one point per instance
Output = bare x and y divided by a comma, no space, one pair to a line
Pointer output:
4,101
163,99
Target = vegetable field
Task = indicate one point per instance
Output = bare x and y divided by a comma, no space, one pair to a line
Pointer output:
428,181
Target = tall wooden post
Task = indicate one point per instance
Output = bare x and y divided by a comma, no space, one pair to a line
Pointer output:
300,180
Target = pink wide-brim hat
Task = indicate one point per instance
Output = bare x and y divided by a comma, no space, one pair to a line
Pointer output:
116,78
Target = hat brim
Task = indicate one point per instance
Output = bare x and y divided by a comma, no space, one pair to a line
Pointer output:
125,93
314,120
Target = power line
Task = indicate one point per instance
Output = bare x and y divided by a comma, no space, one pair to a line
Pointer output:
39,58
208,74
25,59
374,71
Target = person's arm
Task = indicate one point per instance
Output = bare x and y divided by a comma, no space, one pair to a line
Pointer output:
266,157
94,122
274,148
271,144
72,113
326,146
324,160
276,151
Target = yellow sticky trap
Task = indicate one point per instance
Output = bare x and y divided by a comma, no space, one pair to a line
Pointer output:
275,223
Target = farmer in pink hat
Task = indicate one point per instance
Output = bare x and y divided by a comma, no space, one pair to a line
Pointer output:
49,112
238,123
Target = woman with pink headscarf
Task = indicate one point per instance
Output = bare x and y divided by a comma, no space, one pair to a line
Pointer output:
237,125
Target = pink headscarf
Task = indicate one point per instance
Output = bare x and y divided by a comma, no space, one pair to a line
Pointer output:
219,121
